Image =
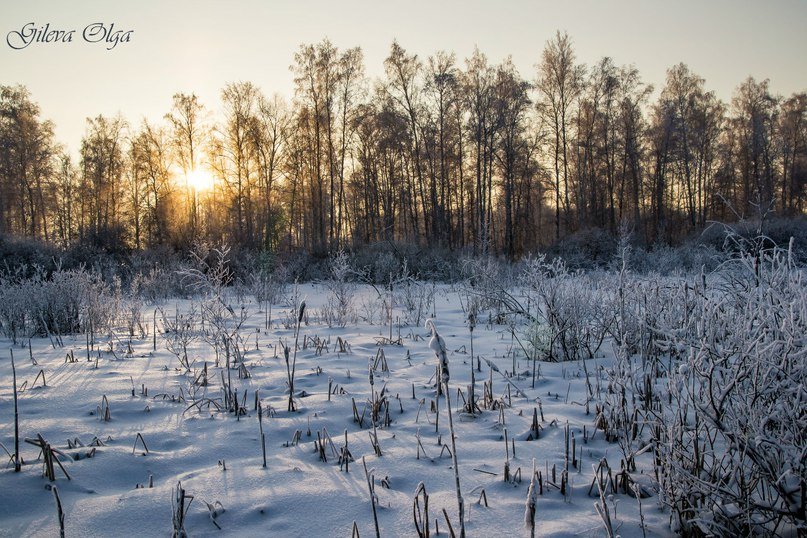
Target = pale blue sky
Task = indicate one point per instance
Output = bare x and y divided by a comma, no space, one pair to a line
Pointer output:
198,46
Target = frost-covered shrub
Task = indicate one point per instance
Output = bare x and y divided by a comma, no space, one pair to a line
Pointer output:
267,287
156,275
576,308
64,297
65,302
414,296
781,230
379,260
338,307
369,310
489,279
771,231
377,263
730,443
676,261
709,373
179,332
303,267
538,340
209,276
586,249
436,264
132,308
159,284
20,257
14,299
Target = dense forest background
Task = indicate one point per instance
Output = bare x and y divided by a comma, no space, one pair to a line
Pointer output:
440,153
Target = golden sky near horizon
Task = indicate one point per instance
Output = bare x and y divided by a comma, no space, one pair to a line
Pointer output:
199,46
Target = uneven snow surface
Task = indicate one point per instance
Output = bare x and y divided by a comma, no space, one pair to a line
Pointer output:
217,456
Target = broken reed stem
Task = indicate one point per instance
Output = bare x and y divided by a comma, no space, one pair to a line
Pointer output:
49,455
450,527
483,497
17,464
143,441
460,501
532,501
59,511
437,406
42,375
372,497
294,360
180,509
260,426
421,514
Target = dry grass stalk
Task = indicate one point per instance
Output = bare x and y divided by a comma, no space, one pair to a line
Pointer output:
139,437
59,511
17,463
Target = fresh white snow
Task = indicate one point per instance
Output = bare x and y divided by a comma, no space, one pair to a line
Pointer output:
217,456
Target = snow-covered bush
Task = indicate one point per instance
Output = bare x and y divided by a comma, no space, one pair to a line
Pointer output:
14,296
267,287
679,261
416,299
209,277
731,451
576,308
338,308
64,302
489,279
377,263
179,332
586,249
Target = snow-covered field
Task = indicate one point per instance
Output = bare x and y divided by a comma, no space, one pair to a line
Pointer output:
217,456
129,423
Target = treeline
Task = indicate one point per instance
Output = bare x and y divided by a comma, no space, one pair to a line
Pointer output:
458,154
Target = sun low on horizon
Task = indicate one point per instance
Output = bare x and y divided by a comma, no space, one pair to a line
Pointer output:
200,180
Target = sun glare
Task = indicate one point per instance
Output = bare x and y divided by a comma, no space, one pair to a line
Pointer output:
200,180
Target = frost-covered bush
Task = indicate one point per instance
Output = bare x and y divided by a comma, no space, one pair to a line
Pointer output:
576,308
209,276
338,307
538,340
416,298
586,249
378,261
774,231
436,264
158,274
159,284
20,257
677,261
709,374
303,267
179,332
718,372
731,450
14,301
132,308
67,297
267,287
64,302
406,291
489,279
